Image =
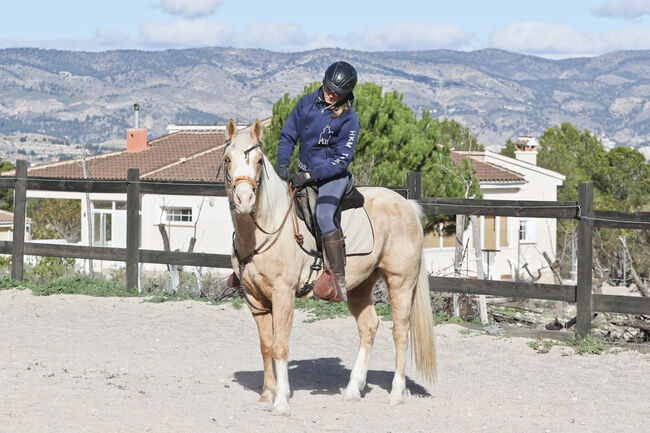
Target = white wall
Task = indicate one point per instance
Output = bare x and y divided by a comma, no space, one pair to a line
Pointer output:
213,232
540,185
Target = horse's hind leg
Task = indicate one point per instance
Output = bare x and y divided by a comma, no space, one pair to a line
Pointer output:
400,289
360,305
264,323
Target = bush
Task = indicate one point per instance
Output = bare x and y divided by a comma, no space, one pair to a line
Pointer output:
80,285
52,268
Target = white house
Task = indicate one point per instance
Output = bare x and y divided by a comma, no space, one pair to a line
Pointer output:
186,155
508,243
7,226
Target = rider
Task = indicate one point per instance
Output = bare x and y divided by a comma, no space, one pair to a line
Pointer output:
327,128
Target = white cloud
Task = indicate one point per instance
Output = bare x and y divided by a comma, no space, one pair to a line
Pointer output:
278,36
627,9
413,36
190,8
103,39
556,40
273,36
187,33
112,39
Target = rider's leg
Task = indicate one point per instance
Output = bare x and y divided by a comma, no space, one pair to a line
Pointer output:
331,284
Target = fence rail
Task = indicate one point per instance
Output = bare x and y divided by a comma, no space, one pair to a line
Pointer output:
133,187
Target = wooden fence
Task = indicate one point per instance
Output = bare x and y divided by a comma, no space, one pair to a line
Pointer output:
133,187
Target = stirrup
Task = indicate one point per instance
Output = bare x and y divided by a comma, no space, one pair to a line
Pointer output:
327,289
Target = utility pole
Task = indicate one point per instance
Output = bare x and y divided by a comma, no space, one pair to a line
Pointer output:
89,220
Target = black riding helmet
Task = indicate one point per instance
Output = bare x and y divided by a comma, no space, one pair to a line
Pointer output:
340,77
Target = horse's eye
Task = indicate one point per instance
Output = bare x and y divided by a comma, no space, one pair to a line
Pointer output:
227,160
260,162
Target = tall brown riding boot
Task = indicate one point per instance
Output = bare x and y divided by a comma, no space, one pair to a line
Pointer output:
330,286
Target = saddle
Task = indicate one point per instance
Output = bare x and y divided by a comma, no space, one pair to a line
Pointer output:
305,205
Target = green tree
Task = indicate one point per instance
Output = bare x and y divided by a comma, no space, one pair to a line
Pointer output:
573,153
621,179
624,180
6,195
457,136
55,218
509,150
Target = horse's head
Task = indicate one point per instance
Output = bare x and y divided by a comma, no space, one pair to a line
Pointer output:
243,165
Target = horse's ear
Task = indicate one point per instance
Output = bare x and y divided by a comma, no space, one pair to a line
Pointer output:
231,130
256,130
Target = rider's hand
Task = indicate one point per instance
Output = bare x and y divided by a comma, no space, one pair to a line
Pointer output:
283,172
300,179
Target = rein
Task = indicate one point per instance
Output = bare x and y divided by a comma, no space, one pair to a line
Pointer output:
243,261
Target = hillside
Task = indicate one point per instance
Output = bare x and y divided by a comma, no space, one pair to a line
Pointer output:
86,97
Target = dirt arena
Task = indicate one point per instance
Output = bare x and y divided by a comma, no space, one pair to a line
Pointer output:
80,364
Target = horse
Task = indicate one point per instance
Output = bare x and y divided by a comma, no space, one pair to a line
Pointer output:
271,266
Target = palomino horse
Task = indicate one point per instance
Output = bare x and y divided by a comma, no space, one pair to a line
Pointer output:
272,266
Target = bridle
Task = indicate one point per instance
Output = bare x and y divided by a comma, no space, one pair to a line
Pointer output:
233,183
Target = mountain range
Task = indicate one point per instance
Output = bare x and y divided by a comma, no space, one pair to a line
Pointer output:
87,97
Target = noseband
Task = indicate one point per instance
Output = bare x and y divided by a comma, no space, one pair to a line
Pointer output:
243,179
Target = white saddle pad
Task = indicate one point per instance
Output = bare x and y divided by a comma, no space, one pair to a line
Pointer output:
357,229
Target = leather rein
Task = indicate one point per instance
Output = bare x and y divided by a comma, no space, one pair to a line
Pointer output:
243,261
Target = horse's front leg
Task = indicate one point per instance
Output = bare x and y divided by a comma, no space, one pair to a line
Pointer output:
283,303
264,323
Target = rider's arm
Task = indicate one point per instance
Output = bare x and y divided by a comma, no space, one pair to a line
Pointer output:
289,135
343,149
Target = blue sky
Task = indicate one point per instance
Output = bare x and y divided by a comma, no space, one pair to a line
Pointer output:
549,28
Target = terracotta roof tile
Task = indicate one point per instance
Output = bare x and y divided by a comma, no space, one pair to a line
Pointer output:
487,172
162,160
6,216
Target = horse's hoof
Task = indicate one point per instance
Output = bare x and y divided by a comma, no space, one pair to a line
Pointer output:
266,399
351,394
266,404
395,401
282,410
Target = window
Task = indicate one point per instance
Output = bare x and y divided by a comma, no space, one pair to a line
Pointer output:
493,232
102,229
108,204
526,230
178,214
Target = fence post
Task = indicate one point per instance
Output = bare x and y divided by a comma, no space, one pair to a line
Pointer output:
132,228
18,241
585,259
414,185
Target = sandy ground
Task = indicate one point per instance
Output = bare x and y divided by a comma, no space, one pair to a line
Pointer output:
82,364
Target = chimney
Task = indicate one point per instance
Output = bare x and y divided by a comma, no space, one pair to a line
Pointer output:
526,149
136,109
136,138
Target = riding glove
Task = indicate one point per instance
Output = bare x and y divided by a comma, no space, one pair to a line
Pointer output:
300,179
283,172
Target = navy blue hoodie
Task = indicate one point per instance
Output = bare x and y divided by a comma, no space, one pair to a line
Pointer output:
326,144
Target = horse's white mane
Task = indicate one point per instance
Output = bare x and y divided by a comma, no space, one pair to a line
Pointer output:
272,201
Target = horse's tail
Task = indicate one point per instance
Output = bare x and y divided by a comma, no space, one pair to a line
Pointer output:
423,346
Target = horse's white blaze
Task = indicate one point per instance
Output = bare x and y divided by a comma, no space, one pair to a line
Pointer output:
282,390
243,194
357,376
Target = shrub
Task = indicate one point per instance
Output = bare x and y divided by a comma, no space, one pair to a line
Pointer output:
52,268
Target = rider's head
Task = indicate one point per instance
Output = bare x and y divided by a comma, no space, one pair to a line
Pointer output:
340,79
